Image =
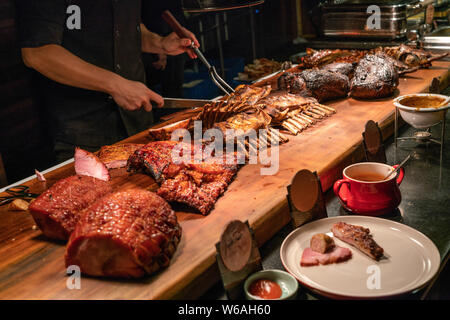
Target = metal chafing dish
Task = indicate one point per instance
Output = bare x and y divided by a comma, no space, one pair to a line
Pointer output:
348,18
439,39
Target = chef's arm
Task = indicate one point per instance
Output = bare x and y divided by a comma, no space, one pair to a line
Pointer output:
60,65
171,44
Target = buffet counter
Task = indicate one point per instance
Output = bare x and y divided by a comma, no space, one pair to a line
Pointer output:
32,267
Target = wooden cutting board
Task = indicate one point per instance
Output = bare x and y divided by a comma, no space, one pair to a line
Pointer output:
32,267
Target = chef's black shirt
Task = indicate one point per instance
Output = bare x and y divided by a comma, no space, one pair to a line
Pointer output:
109,37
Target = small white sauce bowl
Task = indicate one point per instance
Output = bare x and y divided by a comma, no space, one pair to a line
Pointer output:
422,118
287,283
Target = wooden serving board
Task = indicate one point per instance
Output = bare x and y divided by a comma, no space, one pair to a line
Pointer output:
32,267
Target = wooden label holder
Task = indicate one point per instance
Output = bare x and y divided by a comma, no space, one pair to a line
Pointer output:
373,143
237,257
305,198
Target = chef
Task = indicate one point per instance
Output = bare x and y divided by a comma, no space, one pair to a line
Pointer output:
91,76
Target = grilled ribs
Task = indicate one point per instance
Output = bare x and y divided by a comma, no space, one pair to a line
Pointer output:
125,234
375,77
58,209
197,184
321,84
358,237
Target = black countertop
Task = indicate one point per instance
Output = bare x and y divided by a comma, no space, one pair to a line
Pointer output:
425,206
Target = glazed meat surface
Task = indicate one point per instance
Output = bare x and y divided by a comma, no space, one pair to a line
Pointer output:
375,77
58,209
320,84
197,183
345,68
125,234
358,237
152,158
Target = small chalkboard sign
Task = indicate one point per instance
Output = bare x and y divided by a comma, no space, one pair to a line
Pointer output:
237,257
373,143
305,198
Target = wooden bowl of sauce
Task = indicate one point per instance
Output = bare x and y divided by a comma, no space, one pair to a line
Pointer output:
271,285
422,110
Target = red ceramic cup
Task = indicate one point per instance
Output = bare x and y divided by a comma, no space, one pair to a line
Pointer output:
373,198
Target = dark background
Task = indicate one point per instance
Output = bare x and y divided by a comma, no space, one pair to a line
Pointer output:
24,145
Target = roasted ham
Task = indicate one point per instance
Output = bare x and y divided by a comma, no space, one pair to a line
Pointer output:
358,237
58,209
125,234
335,255
88,164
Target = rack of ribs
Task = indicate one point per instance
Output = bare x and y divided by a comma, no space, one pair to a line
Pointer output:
293,112
197,183
124,234
58,209
358,237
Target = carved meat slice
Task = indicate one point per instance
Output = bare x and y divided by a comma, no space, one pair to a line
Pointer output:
116,156
125,234
88,164
335,255
58,209
358,237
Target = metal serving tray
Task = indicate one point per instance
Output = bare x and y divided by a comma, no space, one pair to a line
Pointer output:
439,39
348,18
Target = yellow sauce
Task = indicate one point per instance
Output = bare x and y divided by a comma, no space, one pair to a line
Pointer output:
420,102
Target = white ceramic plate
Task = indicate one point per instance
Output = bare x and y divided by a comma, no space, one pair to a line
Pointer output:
412,260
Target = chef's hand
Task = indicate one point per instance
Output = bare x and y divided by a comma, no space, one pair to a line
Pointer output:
133,95
174,45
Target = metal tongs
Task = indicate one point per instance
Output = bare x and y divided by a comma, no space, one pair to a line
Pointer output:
175,25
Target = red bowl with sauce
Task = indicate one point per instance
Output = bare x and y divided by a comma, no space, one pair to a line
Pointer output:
271,285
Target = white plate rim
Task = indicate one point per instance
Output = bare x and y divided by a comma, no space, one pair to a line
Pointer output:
396,293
